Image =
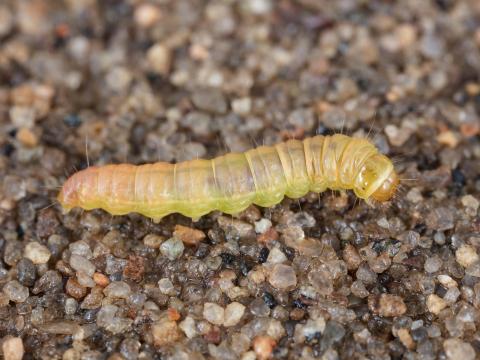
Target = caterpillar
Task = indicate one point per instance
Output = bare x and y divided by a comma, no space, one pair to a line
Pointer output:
230,183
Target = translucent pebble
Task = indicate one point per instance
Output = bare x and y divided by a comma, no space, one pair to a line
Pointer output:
166,287
366,275
114,265
262,226
242,106
70,306
435,304
313,327
188,327
117,289
451,295
12,348
15,291
85,280
433,264
26,272
81,248
213,313
457,349
276,256
106,315
79,263
466,255
159,58
211,100
282,277
322,280
440,219
233,314
172,248
380,263
258,307
37,253
358,289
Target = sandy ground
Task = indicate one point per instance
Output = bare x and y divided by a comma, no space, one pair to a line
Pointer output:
324,277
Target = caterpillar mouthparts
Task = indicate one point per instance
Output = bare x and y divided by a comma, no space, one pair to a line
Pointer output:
230,183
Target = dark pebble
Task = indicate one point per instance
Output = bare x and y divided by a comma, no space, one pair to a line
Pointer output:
26,272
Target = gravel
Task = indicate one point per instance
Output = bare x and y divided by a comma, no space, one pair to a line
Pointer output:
324,276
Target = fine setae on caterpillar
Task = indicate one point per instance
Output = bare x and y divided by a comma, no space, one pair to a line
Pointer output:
230,183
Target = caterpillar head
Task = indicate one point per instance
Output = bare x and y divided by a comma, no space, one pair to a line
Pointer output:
377,179
76,190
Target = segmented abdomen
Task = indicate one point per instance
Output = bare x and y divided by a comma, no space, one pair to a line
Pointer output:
228,183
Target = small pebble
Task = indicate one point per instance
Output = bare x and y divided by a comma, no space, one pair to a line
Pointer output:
351,257
282,277
71,306
147,15
470,203
27,137
74,289
387,305
433,264
26,272
263,346
81,248
447,281
233,314
210,100
93,300
406,338
262,226
440,219
456,349
398,136
242,106
213,313
276,256
153,241
165,333
466,256
188,235
22,117
435,304
100,279
448,138
12,348
188,327
85,280
6,24
135,268
159,58
172,248
37,253
117,289
15,291
79,263
166,287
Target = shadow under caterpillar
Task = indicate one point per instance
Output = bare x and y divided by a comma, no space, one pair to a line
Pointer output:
230,183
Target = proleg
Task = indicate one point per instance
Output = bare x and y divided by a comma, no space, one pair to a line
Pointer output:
230,183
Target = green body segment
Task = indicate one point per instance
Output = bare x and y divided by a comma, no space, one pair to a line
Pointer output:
228,183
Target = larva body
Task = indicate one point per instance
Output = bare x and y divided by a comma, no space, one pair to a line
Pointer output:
230,183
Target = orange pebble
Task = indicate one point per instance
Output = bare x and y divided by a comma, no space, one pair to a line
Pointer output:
173,314
100,279
188,235
27,137
470,129
268,236
263,346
